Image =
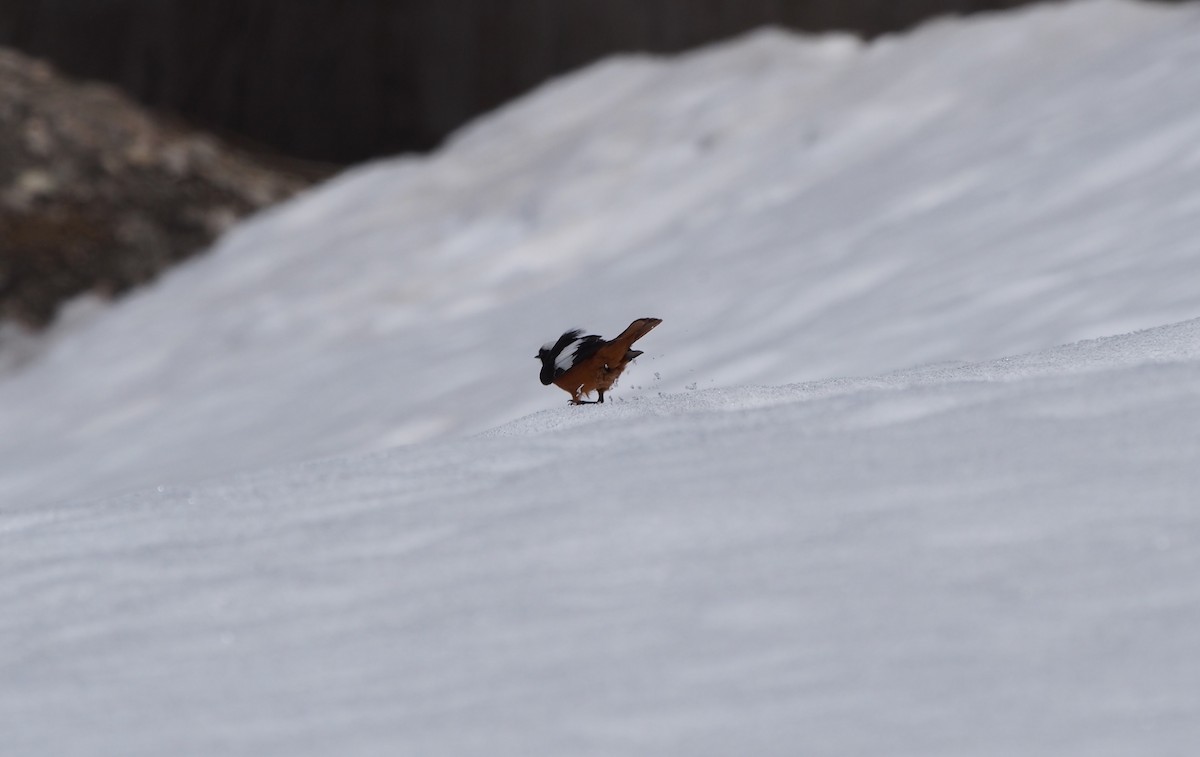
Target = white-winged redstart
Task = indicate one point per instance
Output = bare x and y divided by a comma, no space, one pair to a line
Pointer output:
581,364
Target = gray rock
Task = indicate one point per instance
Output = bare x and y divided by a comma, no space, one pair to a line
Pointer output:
98,194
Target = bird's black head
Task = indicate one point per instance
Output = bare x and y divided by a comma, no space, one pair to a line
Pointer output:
547,358
550,351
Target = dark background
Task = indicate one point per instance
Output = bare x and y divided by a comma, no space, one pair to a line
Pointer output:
344,80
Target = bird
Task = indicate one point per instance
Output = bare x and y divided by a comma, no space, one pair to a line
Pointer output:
581,364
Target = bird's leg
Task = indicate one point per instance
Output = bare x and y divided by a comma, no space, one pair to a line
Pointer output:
577,399
601,393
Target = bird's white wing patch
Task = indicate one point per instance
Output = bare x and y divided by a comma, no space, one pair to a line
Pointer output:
566,358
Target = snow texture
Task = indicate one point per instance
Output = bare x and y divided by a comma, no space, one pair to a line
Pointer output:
908,469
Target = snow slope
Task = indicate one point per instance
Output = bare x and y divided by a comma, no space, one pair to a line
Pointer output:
909,469
794,208
980,559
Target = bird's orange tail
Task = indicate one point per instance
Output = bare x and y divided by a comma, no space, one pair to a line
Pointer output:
637,330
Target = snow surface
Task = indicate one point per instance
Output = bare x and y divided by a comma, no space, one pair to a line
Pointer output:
987,559
908,469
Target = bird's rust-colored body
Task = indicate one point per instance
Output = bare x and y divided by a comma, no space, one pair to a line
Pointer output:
581,365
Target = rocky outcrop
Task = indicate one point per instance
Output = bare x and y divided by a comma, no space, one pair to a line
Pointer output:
99,195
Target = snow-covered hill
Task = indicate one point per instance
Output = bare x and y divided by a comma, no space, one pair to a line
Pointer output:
908,469
794,209
980,559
